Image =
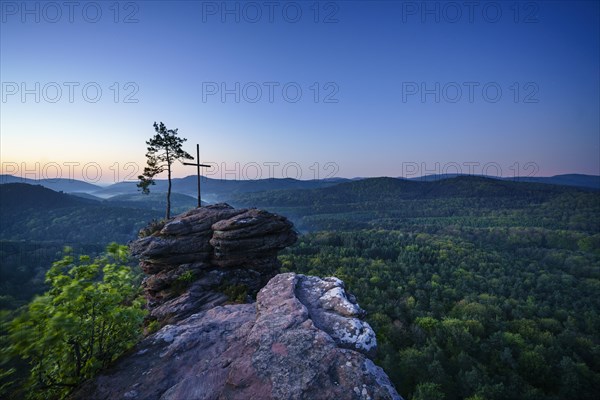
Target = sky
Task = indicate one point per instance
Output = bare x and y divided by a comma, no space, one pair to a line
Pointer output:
301,89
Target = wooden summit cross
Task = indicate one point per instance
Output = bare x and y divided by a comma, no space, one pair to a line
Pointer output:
198,165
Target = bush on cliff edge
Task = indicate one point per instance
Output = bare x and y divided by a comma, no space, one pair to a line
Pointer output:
91,314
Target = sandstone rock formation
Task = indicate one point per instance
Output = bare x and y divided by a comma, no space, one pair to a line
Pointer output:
303,339
197,256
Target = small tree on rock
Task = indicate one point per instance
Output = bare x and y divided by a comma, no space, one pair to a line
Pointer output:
163,150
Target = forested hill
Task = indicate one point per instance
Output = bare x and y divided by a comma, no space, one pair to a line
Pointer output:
386,189
35,213
57,184
36,223
393,203
477,288
22,196
217,190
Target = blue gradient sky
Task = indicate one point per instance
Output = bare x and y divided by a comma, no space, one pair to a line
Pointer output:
373,53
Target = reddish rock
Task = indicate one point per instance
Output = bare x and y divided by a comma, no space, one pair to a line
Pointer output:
272,349
303,338
193,257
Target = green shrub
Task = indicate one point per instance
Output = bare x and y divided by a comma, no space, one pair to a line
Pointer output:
91,314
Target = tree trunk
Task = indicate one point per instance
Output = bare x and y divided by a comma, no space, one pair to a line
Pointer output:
77,359
169,186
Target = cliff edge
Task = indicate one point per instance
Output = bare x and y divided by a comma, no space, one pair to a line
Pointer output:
202,258
303,338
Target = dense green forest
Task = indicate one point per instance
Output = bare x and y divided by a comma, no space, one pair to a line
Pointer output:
36,223
34,213
464,312
24,265
391,203
477,288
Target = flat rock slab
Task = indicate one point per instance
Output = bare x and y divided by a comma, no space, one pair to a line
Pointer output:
272,349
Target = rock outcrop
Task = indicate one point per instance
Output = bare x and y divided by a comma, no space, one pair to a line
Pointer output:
303,339
198,256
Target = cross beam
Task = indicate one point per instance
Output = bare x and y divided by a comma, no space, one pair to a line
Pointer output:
198,165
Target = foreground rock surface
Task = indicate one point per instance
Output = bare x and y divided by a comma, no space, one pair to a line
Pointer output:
195,258
303,339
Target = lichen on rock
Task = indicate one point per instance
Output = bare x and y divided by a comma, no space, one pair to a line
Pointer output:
273,349
303,338
217,246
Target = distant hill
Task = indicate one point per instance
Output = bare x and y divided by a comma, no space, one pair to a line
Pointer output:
217,190
154,201
35,213
394,203
86,196
391,189
23,196
36,223
578,180
59,184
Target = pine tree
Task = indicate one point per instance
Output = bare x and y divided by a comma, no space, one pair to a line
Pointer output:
163,150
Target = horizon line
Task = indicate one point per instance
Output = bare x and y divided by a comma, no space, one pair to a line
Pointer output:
448,175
